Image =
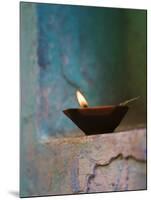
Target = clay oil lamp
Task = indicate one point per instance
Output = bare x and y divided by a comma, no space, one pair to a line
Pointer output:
97,120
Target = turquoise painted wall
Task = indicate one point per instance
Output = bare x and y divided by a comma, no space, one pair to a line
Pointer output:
101,51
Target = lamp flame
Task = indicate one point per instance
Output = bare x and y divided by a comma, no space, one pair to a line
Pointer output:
81,99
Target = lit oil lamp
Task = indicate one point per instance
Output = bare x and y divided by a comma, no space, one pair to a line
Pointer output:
97,120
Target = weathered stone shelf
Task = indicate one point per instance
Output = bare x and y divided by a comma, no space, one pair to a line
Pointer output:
98,163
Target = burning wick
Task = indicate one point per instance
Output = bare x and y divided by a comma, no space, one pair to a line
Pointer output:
81,99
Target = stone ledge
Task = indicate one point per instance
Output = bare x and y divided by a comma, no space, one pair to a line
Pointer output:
131,141
98,163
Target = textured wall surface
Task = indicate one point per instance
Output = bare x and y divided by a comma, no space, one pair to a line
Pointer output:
102,52
108,162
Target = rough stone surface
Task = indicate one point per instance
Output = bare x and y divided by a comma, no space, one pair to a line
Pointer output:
107,162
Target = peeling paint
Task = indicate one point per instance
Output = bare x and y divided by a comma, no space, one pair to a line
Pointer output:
115,178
